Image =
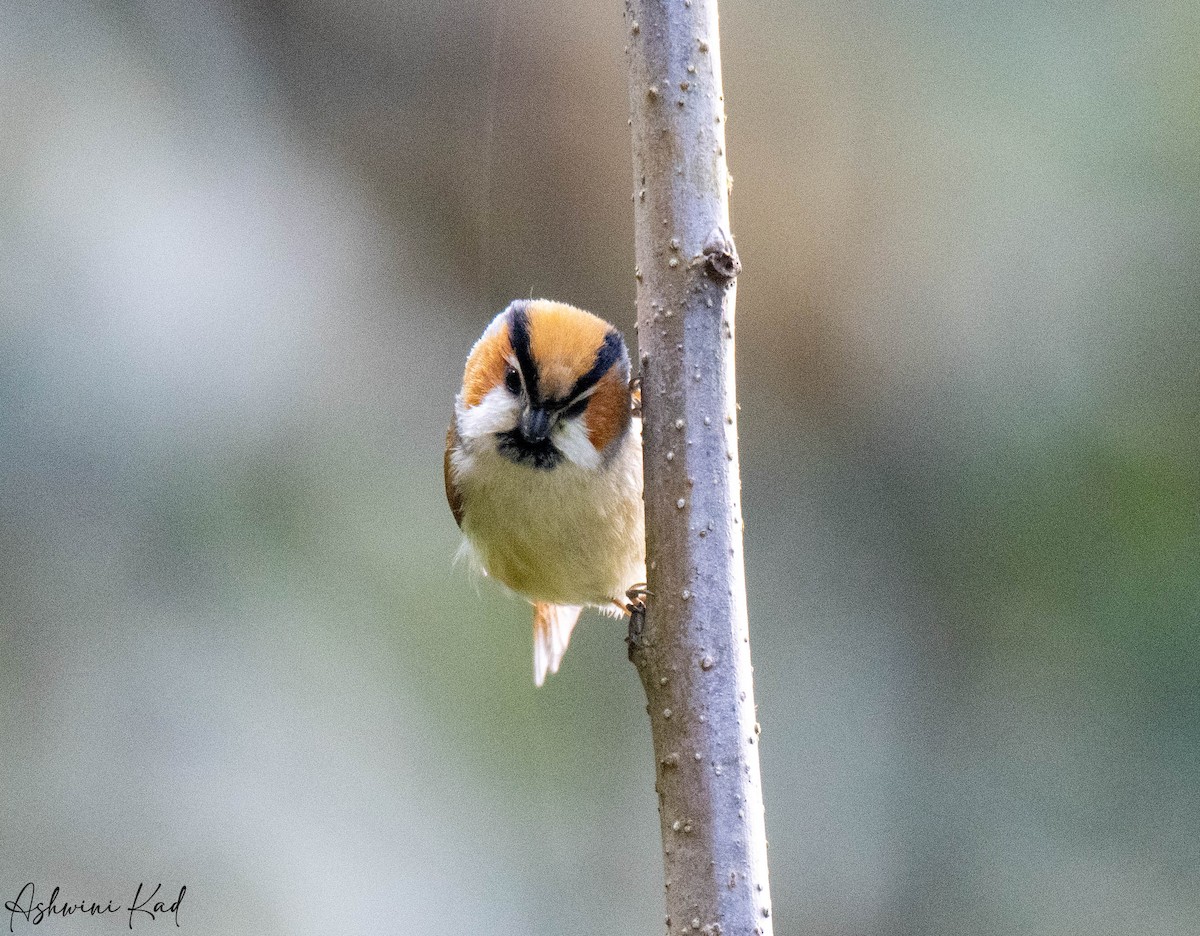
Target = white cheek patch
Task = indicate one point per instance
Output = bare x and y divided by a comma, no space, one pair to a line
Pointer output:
499,411
571,438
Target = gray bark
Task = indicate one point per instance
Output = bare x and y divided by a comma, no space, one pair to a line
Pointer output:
692,646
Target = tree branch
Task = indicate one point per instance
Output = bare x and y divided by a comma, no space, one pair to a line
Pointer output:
692,650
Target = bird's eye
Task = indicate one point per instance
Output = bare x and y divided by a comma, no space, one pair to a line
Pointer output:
512,380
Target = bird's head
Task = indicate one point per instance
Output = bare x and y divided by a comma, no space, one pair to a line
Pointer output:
546,382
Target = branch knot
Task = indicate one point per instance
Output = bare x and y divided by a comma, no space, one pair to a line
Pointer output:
720,255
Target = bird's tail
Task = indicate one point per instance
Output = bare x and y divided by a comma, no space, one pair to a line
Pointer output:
552,626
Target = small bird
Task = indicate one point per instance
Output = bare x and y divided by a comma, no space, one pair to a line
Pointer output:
544,468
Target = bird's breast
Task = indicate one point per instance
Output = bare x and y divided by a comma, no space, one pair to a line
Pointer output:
565,535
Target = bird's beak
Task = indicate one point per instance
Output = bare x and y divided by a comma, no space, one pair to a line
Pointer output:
535,424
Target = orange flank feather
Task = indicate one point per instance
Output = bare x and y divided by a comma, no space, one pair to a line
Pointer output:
453,494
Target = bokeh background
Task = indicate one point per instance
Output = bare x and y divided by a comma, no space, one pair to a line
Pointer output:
244,249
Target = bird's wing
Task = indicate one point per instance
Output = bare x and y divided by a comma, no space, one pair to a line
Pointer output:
552,626
453,495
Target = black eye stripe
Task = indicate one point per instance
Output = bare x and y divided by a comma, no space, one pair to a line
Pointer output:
518,336
612,351
576,408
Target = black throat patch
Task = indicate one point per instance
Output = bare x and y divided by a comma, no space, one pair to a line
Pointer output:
514,446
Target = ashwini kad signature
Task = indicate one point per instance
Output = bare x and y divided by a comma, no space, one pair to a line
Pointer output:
143,907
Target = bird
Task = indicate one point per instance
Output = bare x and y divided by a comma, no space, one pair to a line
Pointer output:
543,468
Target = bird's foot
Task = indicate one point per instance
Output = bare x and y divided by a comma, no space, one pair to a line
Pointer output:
637,595
636,610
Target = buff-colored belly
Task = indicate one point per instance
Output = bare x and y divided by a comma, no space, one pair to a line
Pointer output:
565,536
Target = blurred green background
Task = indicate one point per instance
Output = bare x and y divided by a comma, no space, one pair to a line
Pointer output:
244,249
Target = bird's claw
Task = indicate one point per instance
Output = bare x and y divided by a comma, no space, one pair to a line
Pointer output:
637,595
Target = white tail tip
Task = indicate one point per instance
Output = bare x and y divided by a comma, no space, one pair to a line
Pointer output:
552,626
